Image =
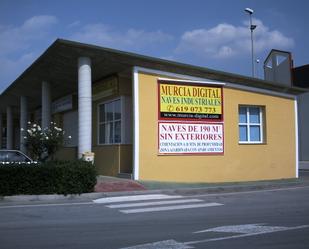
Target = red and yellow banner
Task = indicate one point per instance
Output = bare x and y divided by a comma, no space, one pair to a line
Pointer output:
190,101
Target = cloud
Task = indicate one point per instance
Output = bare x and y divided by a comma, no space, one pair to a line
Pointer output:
15,38
39,23
19,45
132,39
74,24
227,41
10,68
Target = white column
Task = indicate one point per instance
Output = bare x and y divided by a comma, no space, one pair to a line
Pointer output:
9,128
23,122
46,104
1,120
84,106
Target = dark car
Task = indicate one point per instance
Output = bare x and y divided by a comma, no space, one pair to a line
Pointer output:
14,156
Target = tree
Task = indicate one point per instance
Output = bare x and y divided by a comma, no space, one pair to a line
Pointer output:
44,143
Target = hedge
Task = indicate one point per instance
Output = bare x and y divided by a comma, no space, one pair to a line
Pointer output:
53,177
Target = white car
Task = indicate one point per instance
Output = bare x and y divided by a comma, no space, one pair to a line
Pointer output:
14,156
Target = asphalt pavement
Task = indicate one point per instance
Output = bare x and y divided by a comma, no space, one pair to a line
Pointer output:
264,214
261,218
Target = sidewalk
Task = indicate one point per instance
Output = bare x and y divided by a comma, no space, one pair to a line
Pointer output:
112,186
117,186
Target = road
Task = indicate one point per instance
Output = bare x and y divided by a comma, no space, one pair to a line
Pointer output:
257,219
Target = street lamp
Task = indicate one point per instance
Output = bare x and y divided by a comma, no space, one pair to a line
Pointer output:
251,27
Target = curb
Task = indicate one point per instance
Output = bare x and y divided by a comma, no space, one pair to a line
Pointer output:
175,191
52,197
210,190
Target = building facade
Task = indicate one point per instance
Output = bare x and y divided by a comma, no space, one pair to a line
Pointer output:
156,119
278,68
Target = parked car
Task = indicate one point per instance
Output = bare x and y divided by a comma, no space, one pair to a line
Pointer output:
14,156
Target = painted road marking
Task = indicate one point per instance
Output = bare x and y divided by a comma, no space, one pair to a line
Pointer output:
161,203
253,230
135,198
170,244
168,208
153,203
245,229
259,231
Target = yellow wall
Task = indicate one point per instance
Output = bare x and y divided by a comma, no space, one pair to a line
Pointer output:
126,154
107,159
273,160
111,159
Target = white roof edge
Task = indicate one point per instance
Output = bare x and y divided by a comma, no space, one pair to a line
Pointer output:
188,78
193,81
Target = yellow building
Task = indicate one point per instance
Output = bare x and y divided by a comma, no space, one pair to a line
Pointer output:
156,119
268,152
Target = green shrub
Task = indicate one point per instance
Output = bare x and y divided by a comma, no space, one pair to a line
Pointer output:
52,177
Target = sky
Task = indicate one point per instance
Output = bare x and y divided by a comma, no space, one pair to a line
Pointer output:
213,34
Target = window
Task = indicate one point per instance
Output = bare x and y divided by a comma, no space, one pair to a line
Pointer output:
109,125
250,124
13,156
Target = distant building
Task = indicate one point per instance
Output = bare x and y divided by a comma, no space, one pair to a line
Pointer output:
156,119
278,67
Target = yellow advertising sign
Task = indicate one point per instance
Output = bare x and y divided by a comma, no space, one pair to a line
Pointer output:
182,101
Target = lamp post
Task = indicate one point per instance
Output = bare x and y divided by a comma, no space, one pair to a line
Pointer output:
251,27
257,67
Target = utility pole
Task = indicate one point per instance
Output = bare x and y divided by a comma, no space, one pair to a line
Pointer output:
252,27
